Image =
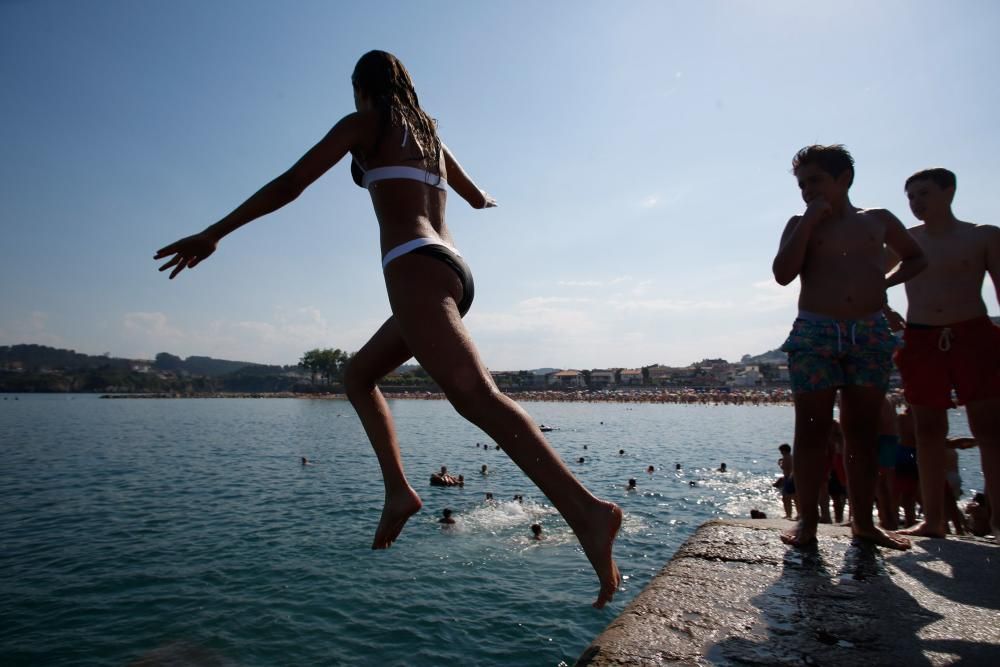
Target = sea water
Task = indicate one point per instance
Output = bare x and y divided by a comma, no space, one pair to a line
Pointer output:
189,530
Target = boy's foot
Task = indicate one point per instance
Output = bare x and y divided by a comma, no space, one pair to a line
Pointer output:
395,512
800,537
597,538
881,538
923,529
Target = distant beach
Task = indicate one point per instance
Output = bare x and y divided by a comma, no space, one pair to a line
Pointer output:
679,395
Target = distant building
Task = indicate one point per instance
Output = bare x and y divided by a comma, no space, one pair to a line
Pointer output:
565,379
661,375
599,379
746,377
630,376
140,365
515,380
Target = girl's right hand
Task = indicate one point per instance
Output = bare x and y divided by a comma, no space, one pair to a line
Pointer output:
488,200
187,252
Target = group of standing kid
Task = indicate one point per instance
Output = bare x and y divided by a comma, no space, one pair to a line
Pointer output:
842,340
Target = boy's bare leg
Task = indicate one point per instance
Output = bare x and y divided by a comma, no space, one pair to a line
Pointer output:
813,416
433,330
824,498
385,352
860,408
888,512
838,508
932,432
984,422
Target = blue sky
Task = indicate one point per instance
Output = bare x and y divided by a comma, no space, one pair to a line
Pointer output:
640,153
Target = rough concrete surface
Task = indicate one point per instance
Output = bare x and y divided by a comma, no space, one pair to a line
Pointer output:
735,595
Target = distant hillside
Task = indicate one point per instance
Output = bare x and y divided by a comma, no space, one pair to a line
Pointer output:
37,357
773,357
33,358
30,368
206,366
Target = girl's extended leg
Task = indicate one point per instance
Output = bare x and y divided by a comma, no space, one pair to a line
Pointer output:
385,352
423,293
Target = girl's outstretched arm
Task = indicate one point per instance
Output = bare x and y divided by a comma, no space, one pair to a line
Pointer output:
463,185
190,251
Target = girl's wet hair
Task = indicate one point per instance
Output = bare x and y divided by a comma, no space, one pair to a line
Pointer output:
382,77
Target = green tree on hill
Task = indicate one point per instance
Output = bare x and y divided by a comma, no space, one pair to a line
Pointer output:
327,363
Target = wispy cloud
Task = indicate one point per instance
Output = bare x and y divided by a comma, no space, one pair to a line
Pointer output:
580,283
591,282
768,296
281,339
669,305
152,325
32,329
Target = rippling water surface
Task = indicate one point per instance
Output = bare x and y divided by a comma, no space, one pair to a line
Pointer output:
187,528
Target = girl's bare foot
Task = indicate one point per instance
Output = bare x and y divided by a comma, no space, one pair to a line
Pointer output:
397,509
923,529
800,537
881,538
597,538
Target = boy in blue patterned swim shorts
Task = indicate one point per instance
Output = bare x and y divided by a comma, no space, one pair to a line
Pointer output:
840,340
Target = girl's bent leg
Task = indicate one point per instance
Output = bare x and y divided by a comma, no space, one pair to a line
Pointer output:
423,294
385,352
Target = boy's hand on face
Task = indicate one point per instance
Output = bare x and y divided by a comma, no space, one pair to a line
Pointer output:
817,209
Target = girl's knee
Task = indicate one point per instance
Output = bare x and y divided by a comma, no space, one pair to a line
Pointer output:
356,381
471,397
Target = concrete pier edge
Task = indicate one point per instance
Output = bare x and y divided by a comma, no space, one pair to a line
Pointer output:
734,594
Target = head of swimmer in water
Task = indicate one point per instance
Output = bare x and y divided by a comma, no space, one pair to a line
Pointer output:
823,171
931,192
382,84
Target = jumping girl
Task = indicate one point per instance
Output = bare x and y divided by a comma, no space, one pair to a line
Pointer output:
399,159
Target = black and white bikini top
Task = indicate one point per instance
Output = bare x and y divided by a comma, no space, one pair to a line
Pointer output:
365,178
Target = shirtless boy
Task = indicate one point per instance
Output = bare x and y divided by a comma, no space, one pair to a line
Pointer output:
949,341
840,339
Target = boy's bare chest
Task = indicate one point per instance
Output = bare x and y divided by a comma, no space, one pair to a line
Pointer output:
855,236
953,255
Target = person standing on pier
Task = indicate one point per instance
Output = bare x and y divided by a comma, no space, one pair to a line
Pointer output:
840,339
950,342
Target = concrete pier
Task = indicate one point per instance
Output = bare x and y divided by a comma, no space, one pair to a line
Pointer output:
735,595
